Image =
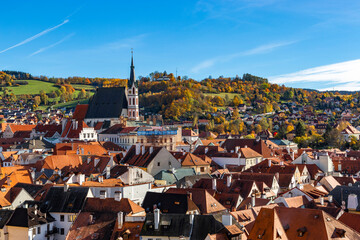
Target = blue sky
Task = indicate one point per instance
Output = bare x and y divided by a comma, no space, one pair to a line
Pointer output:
309,44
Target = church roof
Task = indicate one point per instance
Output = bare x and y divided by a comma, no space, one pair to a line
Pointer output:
107,103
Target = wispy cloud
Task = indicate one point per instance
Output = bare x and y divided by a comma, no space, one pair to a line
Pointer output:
35,36
338,76
262,49
52,45
130,42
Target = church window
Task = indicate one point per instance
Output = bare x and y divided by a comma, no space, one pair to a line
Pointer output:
133,90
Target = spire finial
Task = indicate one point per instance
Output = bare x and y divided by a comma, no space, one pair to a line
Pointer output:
132,57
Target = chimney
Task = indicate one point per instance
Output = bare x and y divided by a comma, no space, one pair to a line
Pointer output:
330,198
269,163
228,180
156,218
81,178
107,171
227,219
143,149
237,149
137,149
120,219
252,200
151,149
91,218
32,171
192,218
214,183
277,175
66,187
117,196
101,179
321,200
281,163
293,155
245,146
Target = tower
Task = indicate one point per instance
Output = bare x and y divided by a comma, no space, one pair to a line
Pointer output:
132,93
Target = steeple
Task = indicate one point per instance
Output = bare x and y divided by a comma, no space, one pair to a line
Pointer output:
132,71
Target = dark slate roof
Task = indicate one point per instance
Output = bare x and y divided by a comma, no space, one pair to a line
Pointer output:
28,217
173,225
34,144
107,103
32,189
166,202
341,193
179,225
71,201
5,216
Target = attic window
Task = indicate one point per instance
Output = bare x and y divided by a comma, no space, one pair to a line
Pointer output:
302,231
340,232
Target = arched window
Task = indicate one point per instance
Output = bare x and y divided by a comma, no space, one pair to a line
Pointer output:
133,101
133,90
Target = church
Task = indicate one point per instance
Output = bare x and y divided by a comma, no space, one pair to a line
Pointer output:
110,105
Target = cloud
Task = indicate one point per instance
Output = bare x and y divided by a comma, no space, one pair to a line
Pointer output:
52,45
338,76
262,49
130,42
35,36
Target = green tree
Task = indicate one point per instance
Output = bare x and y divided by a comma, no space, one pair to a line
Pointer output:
300,129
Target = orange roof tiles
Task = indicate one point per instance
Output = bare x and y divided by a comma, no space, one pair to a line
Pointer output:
61,161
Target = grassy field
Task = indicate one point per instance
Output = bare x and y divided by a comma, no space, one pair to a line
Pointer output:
34,87
70,104
80,86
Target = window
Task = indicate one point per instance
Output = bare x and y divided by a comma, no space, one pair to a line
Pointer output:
62,231
71,218
39,230
202,169
158,164
62,217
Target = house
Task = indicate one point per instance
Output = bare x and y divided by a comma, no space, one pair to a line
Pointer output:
298,223
189,135
206,203
118,134
181,226
322,160
172,176
12,129
64,204
170,203
190,160
349,132
5,216
240,156
30,223
151,159
257,145
98,217
78,130
347,196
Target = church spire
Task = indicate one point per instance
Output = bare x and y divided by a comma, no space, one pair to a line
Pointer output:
132,71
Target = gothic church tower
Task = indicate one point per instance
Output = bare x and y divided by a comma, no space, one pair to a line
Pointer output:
132,94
